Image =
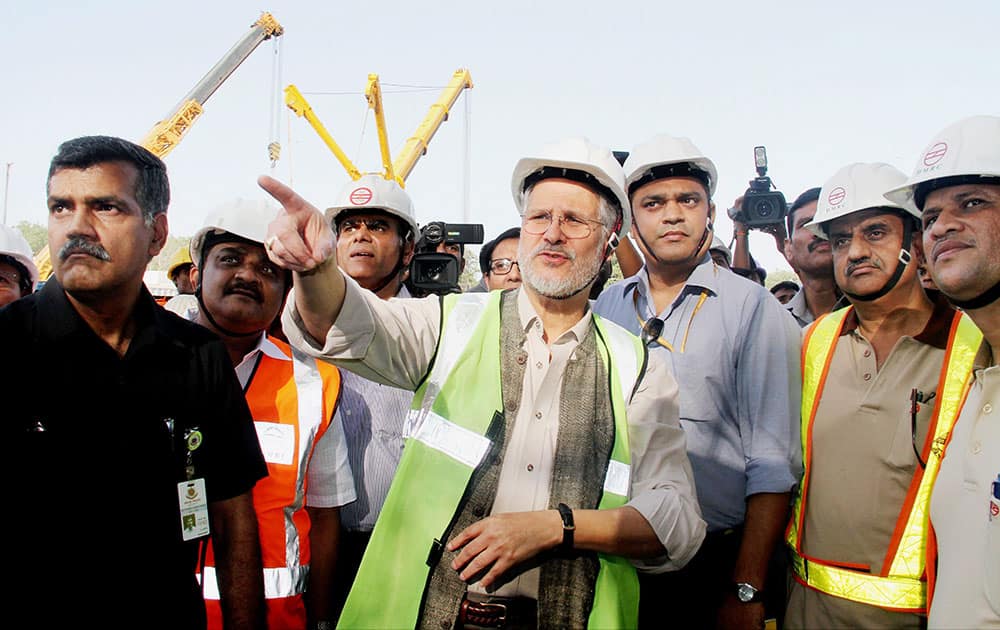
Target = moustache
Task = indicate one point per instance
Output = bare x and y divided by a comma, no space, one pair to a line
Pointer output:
851,267
553,249
245,287
80,245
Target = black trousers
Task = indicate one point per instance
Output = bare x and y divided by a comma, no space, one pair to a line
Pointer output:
349,553
691,597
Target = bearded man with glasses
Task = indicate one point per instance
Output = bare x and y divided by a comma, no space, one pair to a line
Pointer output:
735,353
544,463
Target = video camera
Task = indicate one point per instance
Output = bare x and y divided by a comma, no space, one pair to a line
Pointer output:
433,272
761,206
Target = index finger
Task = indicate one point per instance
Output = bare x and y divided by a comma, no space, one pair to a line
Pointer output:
290,200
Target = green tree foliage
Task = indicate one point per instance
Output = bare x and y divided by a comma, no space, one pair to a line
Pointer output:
36,235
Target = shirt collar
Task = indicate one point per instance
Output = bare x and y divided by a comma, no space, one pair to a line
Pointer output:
704,277
528,316
937,329
268,348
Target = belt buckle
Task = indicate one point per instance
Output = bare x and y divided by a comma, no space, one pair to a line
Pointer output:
486,614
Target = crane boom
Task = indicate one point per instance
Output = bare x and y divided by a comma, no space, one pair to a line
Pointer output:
298,104
416,145
167,133
373,93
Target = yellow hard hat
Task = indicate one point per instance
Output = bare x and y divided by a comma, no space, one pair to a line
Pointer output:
181,258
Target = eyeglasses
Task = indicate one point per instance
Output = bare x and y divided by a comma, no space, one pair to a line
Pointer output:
571,226
502,266
652,328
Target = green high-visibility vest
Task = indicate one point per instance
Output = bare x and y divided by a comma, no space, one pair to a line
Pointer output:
445,442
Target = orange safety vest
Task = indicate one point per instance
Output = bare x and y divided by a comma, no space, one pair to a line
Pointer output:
901,585
301,393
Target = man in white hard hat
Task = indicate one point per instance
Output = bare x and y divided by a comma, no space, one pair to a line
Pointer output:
956,188
376,226
136,443
875,414
294,401
513,503
734,351
18,273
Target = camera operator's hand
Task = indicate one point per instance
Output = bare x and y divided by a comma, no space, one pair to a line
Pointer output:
300,237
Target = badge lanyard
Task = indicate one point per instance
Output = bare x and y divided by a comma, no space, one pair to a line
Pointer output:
658,338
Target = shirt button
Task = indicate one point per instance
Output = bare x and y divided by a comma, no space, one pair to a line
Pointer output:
538,415
977,447
530,467
538,365
987,408
868,353
522,359
868,376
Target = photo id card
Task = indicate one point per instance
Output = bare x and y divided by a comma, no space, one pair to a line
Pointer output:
194,508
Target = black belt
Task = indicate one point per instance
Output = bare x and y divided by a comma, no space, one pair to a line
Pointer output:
497,612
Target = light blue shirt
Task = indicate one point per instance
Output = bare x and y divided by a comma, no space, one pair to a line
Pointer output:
736,357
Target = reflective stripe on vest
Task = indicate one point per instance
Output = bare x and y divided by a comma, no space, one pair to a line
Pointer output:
453,410
901,585
279,498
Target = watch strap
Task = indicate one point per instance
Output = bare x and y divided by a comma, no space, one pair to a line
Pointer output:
568,527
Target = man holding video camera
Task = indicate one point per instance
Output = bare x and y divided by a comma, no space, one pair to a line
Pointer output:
375,228
735,352
514,503
878,403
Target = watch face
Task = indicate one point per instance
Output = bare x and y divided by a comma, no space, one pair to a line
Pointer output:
745,592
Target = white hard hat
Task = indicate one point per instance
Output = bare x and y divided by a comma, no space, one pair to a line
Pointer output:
374,192
968,148
855,187
245,218
580,160
13,244
662,151
719,246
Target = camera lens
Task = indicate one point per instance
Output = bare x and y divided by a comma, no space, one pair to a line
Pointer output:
764,208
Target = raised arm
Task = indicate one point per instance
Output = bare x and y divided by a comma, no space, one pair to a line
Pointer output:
300,239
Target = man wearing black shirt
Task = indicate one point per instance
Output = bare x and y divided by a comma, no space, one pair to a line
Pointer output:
134,440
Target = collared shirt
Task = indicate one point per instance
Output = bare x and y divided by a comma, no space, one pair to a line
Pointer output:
965,511
799,309
863,461
329,482
736,357
394,341
373,416
98,446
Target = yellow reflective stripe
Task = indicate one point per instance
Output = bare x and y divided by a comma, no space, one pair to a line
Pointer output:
819,346
910,557
898,593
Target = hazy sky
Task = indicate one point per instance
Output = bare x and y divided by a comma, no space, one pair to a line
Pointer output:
819,84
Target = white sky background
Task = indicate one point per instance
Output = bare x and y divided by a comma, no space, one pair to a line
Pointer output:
820,84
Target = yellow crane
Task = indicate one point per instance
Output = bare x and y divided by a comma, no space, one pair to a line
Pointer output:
167,133
415,147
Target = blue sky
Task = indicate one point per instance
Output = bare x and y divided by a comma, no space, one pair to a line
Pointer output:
820,84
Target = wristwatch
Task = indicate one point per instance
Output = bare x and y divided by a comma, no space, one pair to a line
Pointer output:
748,593
568,527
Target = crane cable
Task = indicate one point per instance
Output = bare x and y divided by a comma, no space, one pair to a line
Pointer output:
274,124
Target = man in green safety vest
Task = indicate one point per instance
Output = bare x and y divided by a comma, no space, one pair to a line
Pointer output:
541,467
956,189
879,389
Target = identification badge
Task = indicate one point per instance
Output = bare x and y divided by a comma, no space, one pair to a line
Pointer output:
277,442
194,508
